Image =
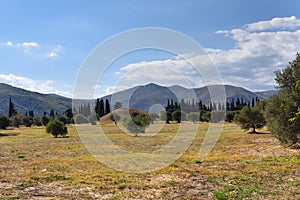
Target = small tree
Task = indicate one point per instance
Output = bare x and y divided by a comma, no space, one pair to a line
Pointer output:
194,116
168,117
250,118
4,122
15,121
137,123
44,120
37,121
117,105
27,121
62,118
176,115
153,117
92,119
115,118
56,127
162,115
80,119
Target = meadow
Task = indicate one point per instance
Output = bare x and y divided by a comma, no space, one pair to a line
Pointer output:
34,165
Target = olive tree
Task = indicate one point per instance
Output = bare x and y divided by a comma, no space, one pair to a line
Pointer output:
283,110
56,127
250,118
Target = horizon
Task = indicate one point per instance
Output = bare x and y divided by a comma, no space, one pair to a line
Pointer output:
137,86
44,50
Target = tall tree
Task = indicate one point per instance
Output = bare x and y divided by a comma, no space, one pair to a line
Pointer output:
99,108
282,110
51,113
107,106
11,109
31,113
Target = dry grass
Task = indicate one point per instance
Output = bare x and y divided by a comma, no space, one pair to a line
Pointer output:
34,165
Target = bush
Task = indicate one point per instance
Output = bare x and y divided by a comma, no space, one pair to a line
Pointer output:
115,118
27,121
37,121
92,119
56,127
63,119
168,117
217,116
183,116
205,116
44,120
250,118
15,121
278,119
283,110
162,115
193,116
176,115
137,123
230,116
4,122
80,119
153,117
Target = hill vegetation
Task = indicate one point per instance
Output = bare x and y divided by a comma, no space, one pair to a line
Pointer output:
24,101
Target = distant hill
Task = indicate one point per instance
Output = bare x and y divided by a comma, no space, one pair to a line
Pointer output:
26,100
141,97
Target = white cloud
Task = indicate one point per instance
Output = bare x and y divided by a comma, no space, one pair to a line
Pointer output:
28,45
7,44
32,85
118,73
52,54
276,23
251,63
55,51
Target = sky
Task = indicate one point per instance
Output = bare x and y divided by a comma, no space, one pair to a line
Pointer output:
43,44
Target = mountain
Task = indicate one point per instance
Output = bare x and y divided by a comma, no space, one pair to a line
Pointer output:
142,97
26,100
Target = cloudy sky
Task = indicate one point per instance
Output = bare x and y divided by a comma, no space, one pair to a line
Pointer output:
44,43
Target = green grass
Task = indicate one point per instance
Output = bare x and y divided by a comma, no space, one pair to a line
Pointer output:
241,166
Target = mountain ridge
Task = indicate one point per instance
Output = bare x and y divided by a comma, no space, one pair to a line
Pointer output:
141,97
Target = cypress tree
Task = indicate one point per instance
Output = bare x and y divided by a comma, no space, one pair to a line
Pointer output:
107,107
11,109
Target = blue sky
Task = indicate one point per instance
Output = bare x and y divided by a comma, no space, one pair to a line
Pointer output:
44,43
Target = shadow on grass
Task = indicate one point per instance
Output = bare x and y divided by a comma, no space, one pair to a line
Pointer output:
258,132
8,134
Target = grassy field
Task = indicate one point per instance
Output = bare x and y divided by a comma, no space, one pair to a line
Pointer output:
34,165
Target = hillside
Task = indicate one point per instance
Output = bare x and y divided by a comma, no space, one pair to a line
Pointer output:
143,97
26,100
139,97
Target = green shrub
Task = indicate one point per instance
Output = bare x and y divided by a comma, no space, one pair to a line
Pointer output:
220,196
56,127
27,121
15,121
80,119
137,123
193,116
4,122
44,120
92,119
176,115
